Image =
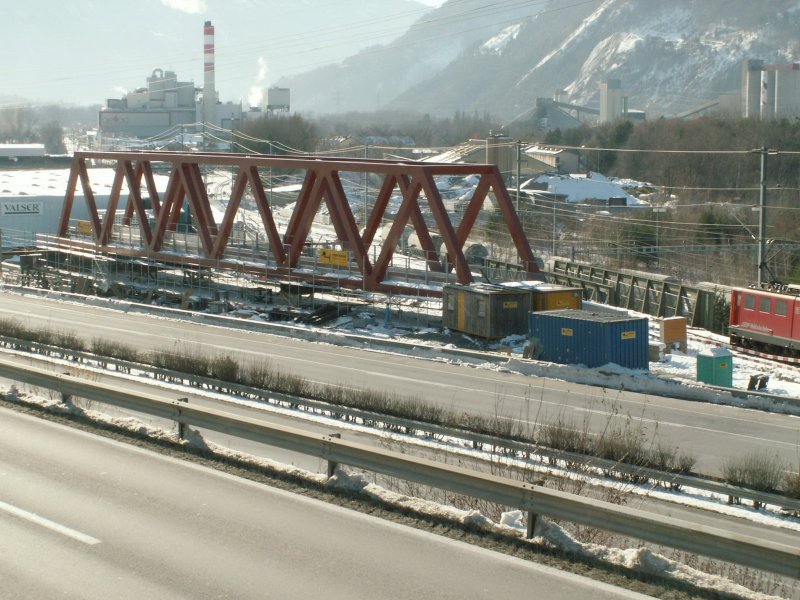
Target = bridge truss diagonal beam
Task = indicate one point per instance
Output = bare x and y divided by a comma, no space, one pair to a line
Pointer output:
322,184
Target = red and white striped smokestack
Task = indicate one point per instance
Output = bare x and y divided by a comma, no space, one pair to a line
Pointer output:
209,94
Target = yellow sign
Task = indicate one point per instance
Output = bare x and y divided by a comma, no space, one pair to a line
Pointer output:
628,335
340,258
566,331
84,227
510,304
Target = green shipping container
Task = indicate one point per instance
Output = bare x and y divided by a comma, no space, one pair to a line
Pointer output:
715,366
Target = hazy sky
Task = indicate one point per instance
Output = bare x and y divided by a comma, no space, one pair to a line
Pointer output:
85,51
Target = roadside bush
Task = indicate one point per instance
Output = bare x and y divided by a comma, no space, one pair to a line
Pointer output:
225,369
116,350
182,361
258,375
44,336
564,435
684,462
662,458
68,340
791,485
757,471
622,444
13,328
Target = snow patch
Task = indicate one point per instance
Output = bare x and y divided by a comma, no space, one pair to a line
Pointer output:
582,187
498,43
571,37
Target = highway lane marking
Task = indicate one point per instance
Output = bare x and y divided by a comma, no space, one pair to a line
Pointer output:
48,524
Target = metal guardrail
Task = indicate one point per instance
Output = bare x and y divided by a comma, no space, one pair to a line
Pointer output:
708,541
519,447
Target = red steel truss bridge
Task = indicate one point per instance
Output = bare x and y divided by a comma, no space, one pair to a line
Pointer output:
321,182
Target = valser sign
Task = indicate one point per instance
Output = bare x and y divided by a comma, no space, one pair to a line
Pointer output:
20,208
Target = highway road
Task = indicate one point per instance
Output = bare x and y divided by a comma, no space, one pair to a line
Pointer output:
767,530
86,517
713,433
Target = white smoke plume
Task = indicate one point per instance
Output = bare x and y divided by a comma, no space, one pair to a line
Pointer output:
256,95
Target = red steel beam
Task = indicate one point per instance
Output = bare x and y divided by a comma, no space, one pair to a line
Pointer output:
379,208
237,191
264,209
134,178
322,183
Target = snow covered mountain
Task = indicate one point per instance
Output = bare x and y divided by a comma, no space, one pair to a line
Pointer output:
472,55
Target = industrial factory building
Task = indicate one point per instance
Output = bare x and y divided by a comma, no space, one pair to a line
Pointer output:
170,104
163,104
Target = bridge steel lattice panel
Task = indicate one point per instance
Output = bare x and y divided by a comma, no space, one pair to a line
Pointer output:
415,182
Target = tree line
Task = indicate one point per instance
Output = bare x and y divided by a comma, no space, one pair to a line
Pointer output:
43,124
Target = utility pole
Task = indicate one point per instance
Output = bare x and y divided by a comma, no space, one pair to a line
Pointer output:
553,200
519,161
658,210
763,269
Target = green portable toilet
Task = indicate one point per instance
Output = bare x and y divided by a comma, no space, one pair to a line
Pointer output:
715,366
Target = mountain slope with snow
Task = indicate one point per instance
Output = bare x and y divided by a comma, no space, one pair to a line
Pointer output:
670,56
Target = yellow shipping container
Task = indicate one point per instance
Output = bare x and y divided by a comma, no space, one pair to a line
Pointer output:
556,297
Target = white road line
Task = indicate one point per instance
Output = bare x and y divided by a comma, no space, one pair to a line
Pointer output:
48,524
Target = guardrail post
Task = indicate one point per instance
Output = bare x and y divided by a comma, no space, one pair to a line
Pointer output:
532,517
332,464
181,424
65,398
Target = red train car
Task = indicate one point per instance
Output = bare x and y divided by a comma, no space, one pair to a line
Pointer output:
766,320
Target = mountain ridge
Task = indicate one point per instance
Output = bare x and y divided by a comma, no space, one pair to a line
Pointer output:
669,56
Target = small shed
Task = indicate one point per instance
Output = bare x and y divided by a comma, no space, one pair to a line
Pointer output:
484,310
590,338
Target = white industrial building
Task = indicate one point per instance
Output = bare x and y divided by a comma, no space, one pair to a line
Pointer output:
170,105
278,99
31,201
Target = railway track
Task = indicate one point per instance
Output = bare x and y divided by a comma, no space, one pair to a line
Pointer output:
754,357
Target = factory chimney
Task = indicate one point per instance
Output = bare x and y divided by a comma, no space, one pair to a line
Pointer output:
209,94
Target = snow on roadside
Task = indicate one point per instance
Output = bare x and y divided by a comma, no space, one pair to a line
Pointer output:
639,559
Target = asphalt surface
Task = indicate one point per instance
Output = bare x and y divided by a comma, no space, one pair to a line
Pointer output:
86,517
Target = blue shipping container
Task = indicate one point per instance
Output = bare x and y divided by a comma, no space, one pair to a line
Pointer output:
590,338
